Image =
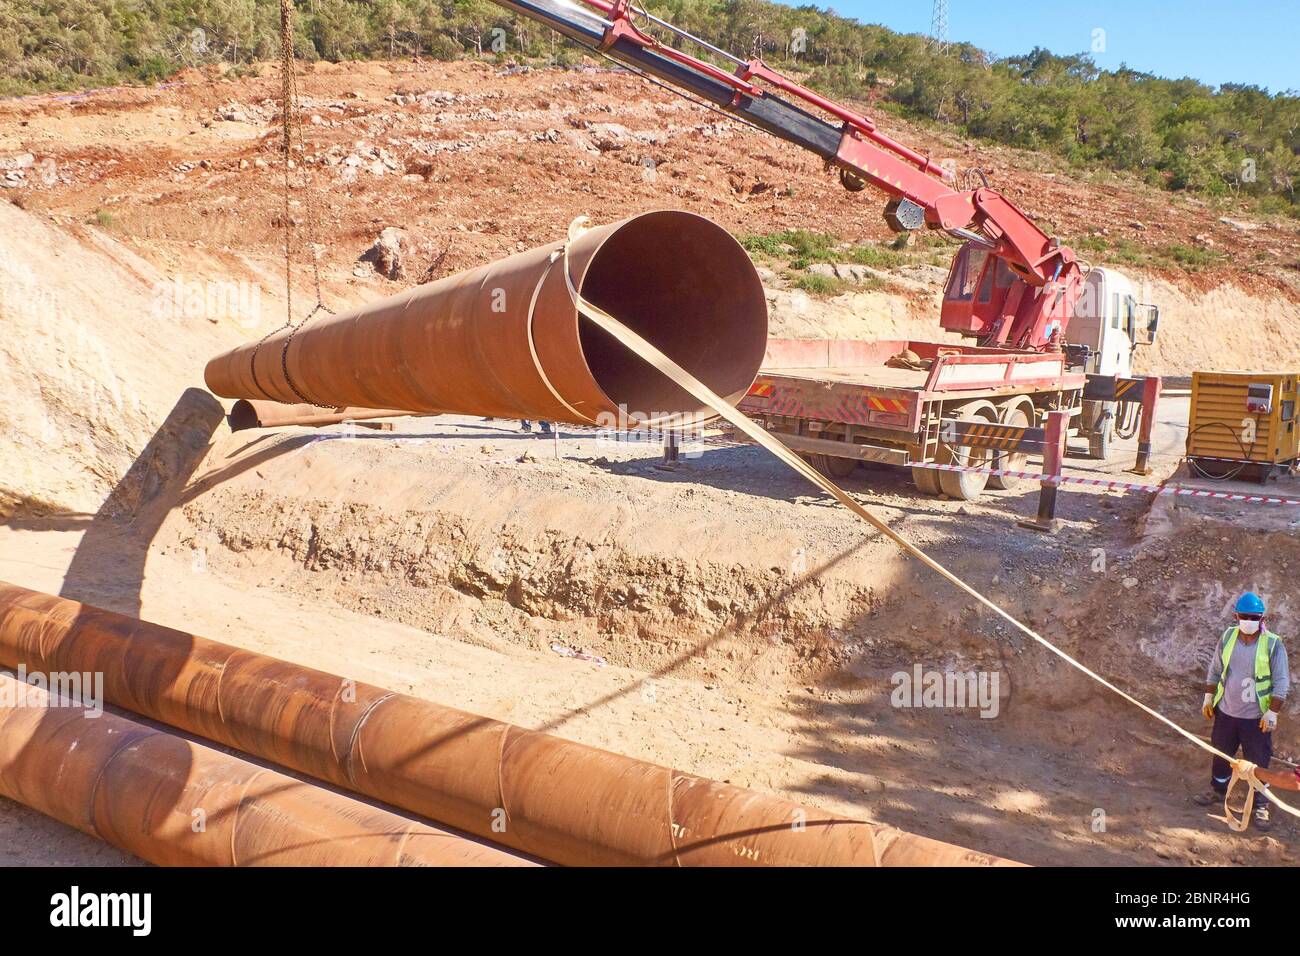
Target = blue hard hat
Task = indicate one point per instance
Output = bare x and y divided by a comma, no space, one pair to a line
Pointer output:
1250,603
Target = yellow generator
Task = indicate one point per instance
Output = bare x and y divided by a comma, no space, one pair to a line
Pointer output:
1242,424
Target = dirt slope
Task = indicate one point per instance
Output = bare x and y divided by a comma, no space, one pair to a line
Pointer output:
88,366
474,163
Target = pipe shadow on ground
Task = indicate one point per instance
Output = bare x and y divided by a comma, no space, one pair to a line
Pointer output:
111,557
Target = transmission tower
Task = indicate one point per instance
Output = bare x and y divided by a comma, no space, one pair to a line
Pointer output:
939,26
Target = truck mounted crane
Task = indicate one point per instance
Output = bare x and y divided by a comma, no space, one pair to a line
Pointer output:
1011,288
1035,298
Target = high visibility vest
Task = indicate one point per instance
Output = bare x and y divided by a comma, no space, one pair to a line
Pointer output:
1263,666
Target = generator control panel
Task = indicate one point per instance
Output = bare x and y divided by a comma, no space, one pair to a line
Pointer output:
1259,398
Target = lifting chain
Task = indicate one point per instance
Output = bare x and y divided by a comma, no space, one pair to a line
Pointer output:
291,133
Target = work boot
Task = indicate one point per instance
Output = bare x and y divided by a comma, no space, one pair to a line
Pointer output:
1262,821
1208,798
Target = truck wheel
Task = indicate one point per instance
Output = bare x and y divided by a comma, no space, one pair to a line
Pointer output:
1099,438
965,485
1099,444
1011,414
926,481
833,466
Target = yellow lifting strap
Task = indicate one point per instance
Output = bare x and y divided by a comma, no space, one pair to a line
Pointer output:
702,393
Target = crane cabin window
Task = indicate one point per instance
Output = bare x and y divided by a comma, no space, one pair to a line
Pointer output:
1001,275
965,275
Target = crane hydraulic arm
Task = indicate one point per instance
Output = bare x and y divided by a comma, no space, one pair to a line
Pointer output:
1011,285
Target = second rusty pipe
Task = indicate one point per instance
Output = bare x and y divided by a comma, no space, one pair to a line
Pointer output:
549,797
505,340
173,802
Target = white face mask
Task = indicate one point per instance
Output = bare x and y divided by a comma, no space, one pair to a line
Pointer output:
1248,627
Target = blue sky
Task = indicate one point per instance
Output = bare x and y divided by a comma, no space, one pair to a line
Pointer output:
1216,41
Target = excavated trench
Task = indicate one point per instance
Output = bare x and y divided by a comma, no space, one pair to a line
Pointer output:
521,584
532,583
427,568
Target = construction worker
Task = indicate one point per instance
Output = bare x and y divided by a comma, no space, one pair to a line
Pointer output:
1245,687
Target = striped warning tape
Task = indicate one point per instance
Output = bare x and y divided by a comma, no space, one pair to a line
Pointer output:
882,403
990,435
1111,484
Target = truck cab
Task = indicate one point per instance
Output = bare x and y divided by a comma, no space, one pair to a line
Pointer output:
1108,324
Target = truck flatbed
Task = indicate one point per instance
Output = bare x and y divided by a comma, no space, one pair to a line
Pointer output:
881,375
849,382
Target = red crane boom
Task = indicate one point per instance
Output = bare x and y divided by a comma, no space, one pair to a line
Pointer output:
1011,285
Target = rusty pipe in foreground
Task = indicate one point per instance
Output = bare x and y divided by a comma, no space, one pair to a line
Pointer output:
175,803
504,340
246,414
543,795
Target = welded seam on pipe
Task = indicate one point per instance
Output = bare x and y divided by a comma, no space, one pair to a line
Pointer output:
239,807
349,766
127,743
672,811
221,713
501,767
46,633
876,856
401,844
487,367
532,346
284,361
252,364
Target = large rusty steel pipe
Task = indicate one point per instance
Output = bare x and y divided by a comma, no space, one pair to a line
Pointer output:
505,340
545,796
260,414
173,802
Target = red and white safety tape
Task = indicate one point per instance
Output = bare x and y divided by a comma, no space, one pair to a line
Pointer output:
1111,484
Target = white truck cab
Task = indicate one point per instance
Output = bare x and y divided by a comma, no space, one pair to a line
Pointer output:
1110,322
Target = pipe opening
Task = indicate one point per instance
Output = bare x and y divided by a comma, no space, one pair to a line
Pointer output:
687,286
243,416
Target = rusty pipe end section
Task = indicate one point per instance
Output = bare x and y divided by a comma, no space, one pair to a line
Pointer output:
687,286
245,414
143,790
505,340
